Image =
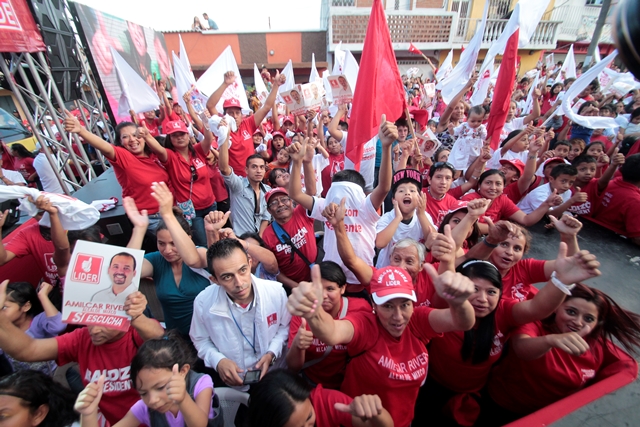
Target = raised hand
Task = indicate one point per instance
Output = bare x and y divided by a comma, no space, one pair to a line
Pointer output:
306,299
617,159
335,213
478,207
89,398
571,342
388,132
44,204
579,196
214,221
44,290
421,207
581,266
567,224
138,219
135,304
177,386
554,199
364,407
603,160
500,231
279,79
452,287
303,338
297,150
396,209
229,78
443,246
163,196
71,123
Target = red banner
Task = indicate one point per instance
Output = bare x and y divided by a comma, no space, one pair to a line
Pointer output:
18,30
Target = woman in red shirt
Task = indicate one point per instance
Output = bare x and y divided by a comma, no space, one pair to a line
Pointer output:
387,347
319,363
23,163
461,361
283,399
135,166
189,173
491,186
554,358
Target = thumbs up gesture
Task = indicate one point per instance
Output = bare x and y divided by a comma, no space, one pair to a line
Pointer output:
71,123
571,269
443,247
452,287
303,338
89,398
177,386
306,299
388,132
554,199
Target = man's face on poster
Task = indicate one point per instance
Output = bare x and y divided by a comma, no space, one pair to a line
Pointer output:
296,96
343,82
314,90
121,270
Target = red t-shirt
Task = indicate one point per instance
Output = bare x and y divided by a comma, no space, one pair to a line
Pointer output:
136,174
180,172
323,402
462,376
618,209
336,164
526,386
242,145
392,368
517,283
438,209
593,199
513,192
111,359
153,126
500,208
24,166
330,371
27,240
300,230
220,192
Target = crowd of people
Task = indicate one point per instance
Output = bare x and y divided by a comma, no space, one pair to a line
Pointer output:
380,297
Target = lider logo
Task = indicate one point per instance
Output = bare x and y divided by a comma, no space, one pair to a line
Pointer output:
87,269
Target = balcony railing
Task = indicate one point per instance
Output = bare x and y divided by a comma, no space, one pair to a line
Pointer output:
578,22
544,37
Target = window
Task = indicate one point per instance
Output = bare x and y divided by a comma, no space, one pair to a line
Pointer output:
594,3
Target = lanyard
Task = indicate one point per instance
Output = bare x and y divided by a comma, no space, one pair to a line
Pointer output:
242,333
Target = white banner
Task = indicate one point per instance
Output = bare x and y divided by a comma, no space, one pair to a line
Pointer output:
137,95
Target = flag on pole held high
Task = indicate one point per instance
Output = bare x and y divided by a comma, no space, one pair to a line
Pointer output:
415,50
380,90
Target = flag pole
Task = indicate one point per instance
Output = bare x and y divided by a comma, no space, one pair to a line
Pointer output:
413,133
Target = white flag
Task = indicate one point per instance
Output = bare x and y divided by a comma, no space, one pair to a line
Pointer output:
578,86
214,77
529,104
314,71
531,12
351,69
483,83
338,57
569,65
261,88
137,95
290,82
461,74
446,67
549,62
185,59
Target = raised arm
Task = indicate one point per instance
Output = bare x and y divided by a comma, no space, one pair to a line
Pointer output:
134,306
535,112
335,121
306,301
307,164
617,160
229,78
153,143
61,247
71,124
446,115
297,152
387,133
223,151
497,233
262,112
532,218
524,182
455,289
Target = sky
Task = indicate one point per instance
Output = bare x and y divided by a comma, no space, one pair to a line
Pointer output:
231,16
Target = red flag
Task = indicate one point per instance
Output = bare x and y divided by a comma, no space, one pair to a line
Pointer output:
379,90
414,49
503,91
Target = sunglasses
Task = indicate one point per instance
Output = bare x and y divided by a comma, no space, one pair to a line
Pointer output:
194,173
443,164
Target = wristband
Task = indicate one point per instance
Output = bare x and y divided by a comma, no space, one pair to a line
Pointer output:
491,245
558,284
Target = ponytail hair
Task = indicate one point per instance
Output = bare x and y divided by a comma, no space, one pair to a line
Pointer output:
162,353
273,399
613,320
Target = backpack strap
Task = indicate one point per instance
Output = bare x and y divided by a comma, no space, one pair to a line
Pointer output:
284,238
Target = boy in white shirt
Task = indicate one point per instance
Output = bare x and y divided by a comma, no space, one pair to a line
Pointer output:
471,137
408,219
560,181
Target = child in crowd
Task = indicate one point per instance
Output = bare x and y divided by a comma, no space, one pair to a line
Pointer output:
471,137
171,393
634,123
514,147
283,161
560,182
408,219
577,148
592,185
562,149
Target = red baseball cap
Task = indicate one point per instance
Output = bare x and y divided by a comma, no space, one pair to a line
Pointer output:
274,191
554,159
287,119
258,132
458,205
516,163
278,133
389,283
231,103
175,126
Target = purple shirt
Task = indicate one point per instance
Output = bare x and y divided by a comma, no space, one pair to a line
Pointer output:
141,412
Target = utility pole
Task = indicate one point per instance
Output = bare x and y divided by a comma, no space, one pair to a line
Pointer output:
604,11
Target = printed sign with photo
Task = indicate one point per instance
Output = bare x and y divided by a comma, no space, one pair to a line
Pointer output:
305,97
294,100
99,280
428,143
340,89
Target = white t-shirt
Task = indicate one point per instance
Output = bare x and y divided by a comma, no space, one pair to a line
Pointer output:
360,221
494,163
319,163
47,176
515,124
412,230
368,162
13,176
534,199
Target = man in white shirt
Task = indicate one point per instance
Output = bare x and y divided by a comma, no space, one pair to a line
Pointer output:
47,176
240,324
122,270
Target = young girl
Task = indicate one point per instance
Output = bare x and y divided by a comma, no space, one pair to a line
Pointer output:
554,358
470,138
282,161
171,393
514,147
24,307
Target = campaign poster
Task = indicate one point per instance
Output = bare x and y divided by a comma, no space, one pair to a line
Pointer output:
428,143
340,89
294,100
144,49
99,279
313,93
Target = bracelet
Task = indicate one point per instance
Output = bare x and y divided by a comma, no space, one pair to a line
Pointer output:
532,157
474,177
558,284
491,245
